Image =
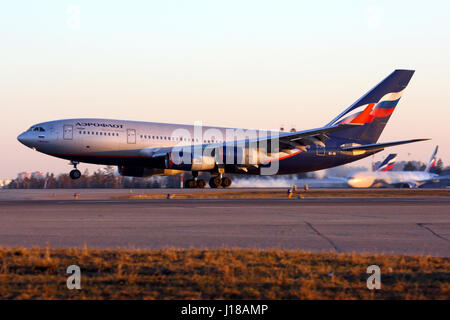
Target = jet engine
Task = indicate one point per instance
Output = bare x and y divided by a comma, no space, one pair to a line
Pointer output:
189,162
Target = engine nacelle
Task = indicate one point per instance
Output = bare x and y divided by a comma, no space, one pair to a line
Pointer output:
141,172
190,162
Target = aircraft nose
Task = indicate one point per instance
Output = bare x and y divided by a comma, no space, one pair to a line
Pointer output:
20,137
25,139
351,182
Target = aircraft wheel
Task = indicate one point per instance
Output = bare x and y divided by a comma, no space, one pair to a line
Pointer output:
191,183
75,174
201,183
215,182
226,182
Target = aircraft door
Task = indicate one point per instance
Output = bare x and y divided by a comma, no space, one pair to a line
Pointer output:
68,132
131,136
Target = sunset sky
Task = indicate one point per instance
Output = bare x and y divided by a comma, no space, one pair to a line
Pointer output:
257,64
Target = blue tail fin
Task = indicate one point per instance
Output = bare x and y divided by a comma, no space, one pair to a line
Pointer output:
374,109
388,163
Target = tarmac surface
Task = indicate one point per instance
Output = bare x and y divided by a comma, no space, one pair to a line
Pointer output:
411,225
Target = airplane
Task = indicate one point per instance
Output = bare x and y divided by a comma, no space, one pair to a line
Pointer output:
386,165
143,149
386,178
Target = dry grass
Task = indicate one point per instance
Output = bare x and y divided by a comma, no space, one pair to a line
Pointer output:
270,194
217,274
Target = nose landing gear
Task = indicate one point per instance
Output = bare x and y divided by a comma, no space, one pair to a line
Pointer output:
75,173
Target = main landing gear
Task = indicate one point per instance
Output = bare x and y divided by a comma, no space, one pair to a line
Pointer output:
75,173
220,180
217,182
195,183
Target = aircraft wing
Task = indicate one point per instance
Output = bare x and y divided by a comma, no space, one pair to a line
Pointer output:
290,140
380,146
287,140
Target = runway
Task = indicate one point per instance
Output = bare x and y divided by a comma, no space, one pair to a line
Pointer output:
362,225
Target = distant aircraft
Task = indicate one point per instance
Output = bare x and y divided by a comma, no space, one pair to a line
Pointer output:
382,177
143,149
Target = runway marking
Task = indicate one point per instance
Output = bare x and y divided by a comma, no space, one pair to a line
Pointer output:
423,225
335,247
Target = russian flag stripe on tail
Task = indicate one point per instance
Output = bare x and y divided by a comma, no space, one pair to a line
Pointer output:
373,109
432,161
388,163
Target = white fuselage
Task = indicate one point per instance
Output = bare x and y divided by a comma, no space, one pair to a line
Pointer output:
104,136
378,178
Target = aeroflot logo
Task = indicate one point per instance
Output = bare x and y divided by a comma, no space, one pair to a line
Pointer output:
96,124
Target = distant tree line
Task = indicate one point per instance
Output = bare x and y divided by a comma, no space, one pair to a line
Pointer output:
102,178
108,178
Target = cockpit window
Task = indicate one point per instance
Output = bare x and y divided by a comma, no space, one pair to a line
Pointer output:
37,129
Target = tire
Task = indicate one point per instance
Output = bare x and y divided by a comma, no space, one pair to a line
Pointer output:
201,183
190,184
215,182
75,174
226,182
